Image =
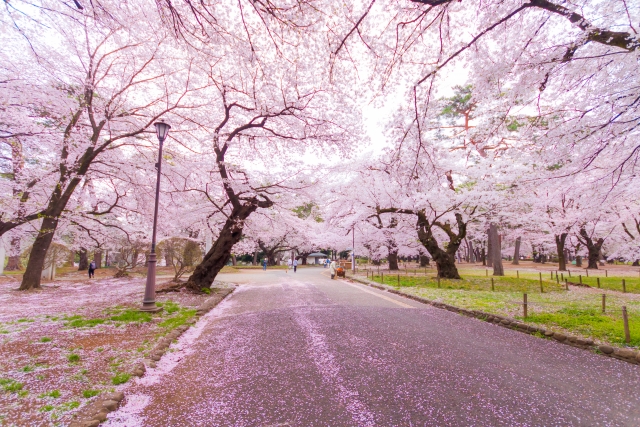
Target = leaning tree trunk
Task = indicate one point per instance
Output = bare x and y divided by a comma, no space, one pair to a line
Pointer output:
498,269
424,261
33,273
516,252
562,261
393,260
234,261
14,264
231,233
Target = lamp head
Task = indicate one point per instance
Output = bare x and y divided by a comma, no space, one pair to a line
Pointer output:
162,130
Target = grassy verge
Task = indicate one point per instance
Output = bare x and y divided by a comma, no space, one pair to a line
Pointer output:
578,311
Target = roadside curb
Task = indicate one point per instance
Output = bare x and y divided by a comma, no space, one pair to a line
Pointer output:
625,354
96,412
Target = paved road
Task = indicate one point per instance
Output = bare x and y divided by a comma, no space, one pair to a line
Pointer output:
302,350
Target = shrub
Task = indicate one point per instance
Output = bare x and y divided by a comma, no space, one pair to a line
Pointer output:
120,378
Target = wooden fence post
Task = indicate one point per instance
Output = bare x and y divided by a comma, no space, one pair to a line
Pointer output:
524,305
598,281
606,273
587,272
398,280
486,273
517,274
604,303
580,279
381,278
492,287
625,319
541,288
624,286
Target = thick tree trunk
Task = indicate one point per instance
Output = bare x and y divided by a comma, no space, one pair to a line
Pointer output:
33,273
472,253
578,260
562,261
483,255
636,263
424,261
593,259
304,258
489,249
234,261
14,264
231,233
516,252
255,258
83,264
97,257
593,248
375,261
393,260
498,269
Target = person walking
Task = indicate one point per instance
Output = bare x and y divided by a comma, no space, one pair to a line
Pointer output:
264,264
332,269
295,265
92,269
288,265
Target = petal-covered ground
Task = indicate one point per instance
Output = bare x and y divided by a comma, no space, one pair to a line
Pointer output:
74,339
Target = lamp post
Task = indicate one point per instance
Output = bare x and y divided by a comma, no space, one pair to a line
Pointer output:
149,302
353,247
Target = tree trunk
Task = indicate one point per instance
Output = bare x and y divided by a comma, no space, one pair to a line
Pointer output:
97,257
578,260
375,261
489,249
636,263
562,261
167,259
498,269
483,255
234,261
393,260
83,264
424,260
472,253
14,264
516,252
134,258
304,258
255,258
231,233
33,273
593,248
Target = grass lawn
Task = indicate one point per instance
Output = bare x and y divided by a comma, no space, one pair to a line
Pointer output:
578,311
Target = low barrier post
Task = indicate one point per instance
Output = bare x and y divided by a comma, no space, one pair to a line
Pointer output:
524,305
625,319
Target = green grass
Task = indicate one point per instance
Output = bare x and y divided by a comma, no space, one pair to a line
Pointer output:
45,339
73,358
67,406
53,394
87,394
132,315
178,319
578,311
120,378
501,284
78,321
47,408
10,386
28,368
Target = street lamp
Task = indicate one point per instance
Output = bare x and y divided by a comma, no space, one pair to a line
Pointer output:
149,302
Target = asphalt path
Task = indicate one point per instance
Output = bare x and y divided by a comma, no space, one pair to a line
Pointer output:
299,349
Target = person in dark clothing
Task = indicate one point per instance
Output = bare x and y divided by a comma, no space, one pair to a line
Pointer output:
92,269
